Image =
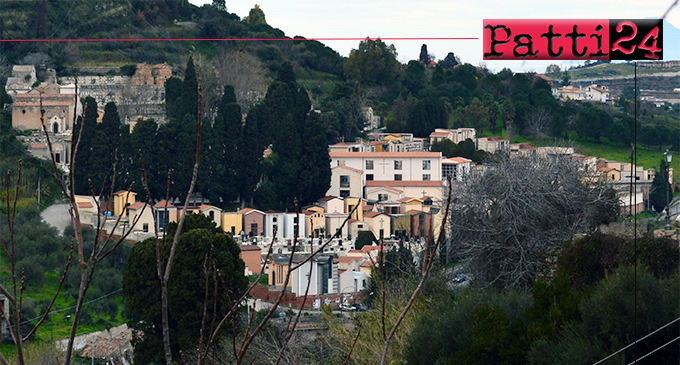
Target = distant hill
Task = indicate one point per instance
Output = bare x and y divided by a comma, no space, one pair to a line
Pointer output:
145,19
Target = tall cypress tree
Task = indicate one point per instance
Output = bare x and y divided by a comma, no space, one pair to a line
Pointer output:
82,161
189,101
104,149
147,151
299,143
173,95
221,155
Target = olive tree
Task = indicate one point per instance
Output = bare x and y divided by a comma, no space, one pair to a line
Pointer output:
510,217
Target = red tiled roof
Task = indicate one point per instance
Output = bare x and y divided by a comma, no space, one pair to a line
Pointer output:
404,200
367,263
367,249
250,248
439,134
163,204
414,211
391,183
350,221
348,259
85,205
328,198
38,145
206,206
372,214
388,188
347,168
385,154
457,160
136,205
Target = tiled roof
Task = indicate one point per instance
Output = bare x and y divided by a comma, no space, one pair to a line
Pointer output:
367,263
388,188
407,199
38,145
392,183
85,205
347,168
136,205
348,259
124,192
250,248
163,204
439,134
372,214
328,198
385,154
455,160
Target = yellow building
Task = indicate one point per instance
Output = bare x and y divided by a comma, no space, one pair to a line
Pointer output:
350,203
278,269
121,200
232,222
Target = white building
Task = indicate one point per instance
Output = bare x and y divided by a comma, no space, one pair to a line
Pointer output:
456,167
454,135
285,225
322,274
349,168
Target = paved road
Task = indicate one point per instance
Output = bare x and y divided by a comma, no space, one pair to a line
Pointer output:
57,216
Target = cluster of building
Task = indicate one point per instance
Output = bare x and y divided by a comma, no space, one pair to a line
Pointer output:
596,93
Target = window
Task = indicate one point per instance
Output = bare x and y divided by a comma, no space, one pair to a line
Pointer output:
344,181
253,229
383,197
212,215
369,164
344,193
397,177
426,177
426,164
163,220
341,162
398,164
145,227
57,157
274,219
369,177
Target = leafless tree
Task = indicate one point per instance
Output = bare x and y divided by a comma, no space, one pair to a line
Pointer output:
510,218
244,72
538,122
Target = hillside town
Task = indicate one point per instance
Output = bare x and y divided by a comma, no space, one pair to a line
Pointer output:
214,191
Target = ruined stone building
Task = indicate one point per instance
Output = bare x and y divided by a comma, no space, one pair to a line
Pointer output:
23,77
139,96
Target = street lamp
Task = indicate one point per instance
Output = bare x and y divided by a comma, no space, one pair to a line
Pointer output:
669,158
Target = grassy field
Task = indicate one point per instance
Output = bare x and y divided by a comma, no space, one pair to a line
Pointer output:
614,69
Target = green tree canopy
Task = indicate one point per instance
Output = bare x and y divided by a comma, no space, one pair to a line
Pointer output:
374,63
201,251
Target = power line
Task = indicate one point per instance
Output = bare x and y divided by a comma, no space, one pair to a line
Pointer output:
657,349
655,331
29,321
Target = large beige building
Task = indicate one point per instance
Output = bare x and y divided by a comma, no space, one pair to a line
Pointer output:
58,108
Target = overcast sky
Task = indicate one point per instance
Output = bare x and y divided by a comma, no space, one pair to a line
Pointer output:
435,18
